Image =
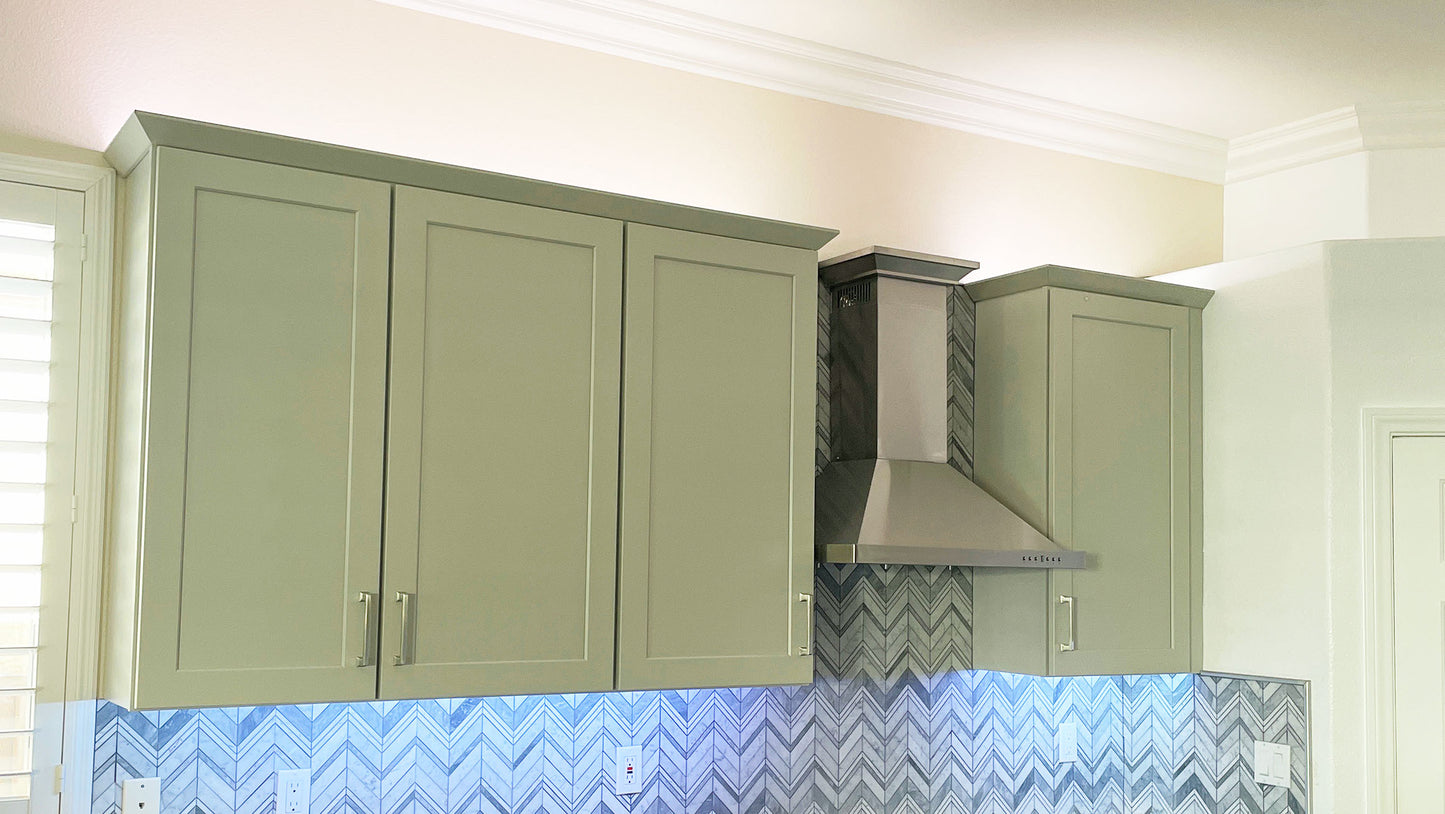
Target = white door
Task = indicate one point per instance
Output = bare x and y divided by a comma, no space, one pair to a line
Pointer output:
1419,531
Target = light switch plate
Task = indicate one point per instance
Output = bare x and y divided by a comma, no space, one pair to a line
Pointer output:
627,769
1068,742
1271,763
141,795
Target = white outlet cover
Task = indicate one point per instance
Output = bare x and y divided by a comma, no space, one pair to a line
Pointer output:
1271,763
627,769
141,795
293,791
1068,742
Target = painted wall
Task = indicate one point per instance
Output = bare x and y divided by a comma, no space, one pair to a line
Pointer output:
365,74
1347,325
1326,200
1369,194
1407,193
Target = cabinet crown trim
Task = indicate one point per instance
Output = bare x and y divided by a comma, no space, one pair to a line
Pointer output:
1096,282
144,131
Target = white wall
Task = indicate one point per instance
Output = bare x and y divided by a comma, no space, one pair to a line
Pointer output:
1326,200
377,76
1296,345
1407,193
1368,194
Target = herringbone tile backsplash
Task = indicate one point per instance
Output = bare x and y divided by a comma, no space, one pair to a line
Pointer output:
894,721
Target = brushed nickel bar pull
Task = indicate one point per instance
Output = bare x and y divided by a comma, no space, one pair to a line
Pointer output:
807,649
1070,645
369,613
408,646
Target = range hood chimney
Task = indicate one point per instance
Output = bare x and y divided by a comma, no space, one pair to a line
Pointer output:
889,496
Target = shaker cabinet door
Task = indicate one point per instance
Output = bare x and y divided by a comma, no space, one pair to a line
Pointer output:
501,523
1119,451
717,471
263,445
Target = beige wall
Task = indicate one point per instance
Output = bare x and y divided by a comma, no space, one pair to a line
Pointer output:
381,77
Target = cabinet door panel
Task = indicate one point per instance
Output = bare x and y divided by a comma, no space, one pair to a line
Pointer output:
717,472
266,400
1119,410
502,475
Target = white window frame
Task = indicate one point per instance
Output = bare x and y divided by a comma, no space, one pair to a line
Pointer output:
70,792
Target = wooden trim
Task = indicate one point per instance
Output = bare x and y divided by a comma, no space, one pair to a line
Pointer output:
98,185
145,130
1096,282
1380,427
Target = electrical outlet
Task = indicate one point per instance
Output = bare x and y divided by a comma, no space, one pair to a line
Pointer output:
140,796
1068,742
628,769
293,791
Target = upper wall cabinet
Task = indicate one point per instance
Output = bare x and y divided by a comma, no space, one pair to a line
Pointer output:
717,473
249,465
1088,426
370,416
501,515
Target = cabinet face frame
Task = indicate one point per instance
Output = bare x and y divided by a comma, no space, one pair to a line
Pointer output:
158,679
420,215
790,663
1066,306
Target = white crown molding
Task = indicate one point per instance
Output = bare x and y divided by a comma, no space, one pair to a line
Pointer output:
670,37
1339,132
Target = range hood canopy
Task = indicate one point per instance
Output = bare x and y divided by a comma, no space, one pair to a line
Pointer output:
889,495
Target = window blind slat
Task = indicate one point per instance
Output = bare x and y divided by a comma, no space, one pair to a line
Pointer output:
19,627
17,670
24,381
22,462
23,421
28,258
22,503
26,230
20,586
27,339
24,299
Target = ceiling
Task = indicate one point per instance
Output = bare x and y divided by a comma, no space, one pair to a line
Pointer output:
1224,68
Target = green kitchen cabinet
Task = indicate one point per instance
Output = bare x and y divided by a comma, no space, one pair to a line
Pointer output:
501,515
1088,425
247,471
375,433
716,577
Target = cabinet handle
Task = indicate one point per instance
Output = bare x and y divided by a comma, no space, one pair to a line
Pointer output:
368,622
806,649
408,647
1068,646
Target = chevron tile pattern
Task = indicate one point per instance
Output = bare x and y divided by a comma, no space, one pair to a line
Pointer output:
825,379
894,722
1247,710
961,323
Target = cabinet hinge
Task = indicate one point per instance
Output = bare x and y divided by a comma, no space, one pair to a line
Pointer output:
74,509
59,777
84,242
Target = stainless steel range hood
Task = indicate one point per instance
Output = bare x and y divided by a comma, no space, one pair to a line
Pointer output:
888,494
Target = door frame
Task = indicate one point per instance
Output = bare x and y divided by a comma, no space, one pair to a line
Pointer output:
1380,427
